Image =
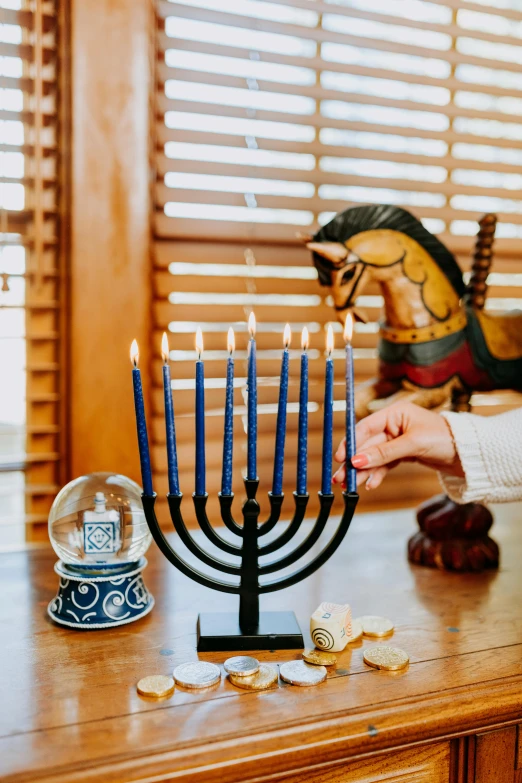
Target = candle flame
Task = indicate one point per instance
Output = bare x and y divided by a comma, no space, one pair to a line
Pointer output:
287,336
252,324
305,340
199,341
348,328
165,348
134,353
330,340
231,341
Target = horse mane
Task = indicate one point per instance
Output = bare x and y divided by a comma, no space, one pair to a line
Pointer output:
356,219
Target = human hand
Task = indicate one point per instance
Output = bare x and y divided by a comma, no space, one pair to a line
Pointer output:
402,432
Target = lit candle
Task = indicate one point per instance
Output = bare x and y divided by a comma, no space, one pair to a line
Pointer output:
351,475
228,437
302,438
172,455
141,423
279,458
326,484
200,417
252,400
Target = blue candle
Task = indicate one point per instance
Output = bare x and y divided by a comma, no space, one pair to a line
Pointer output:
200,417
302,437
326,483
252,401
279,458
351,473
228,437
141,423
172,454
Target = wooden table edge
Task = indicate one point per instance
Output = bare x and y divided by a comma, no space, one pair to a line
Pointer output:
290,748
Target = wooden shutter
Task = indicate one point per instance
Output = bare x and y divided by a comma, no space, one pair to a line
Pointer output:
272,115
30,266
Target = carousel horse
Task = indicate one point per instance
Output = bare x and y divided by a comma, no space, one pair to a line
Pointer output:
437,344
436,341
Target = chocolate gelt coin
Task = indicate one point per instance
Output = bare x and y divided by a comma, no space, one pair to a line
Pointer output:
264,678
357,631
373,625
389,659
156,685
319,657
302,673
197,674
241,665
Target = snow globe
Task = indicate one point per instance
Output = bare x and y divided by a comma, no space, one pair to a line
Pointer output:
98,530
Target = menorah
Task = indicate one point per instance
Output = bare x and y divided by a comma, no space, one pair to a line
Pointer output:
252,629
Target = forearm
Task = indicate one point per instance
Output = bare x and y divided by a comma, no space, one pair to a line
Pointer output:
490,451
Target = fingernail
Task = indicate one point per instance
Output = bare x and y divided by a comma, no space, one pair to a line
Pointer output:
360,460
368,484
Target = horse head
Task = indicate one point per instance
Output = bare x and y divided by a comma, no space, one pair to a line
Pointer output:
384,243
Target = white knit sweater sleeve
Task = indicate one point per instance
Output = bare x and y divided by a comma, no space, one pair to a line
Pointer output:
490,451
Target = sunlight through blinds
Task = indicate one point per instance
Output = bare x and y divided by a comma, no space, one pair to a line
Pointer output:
29,267
275,114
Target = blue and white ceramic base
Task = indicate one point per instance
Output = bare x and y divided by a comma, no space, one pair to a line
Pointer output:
101,597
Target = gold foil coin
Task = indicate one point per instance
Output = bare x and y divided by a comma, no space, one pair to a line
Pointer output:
373,625
241,665
388,658
302,673
264,678
319,657
357,631
156,685
198,674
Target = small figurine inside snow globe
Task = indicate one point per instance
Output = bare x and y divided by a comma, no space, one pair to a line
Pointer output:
98,530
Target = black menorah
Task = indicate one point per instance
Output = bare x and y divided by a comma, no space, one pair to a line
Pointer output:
251,630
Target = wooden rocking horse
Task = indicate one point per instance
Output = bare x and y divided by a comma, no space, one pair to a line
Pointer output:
436,344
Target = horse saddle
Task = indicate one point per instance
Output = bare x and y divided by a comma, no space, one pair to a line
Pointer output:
502,333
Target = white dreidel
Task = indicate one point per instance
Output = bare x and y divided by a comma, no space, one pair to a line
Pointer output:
331,626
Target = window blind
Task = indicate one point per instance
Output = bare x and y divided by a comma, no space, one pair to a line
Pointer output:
30,296
272,115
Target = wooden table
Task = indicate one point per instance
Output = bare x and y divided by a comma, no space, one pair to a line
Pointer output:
69,710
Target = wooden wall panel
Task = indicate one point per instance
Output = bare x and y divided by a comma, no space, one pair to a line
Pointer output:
110,296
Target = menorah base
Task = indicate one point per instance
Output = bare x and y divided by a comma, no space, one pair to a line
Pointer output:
220,631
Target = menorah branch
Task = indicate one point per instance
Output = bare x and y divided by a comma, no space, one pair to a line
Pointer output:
350,502
174,502
276,503
283,562
172,556
225,504
301,502
200,503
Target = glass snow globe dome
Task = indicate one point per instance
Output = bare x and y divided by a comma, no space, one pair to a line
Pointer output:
98,521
